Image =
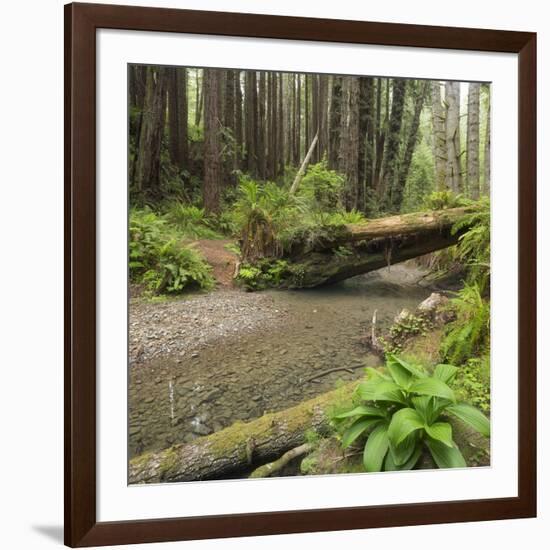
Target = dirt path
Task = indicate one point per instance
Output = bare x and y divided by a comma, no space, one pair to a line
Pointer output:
222,260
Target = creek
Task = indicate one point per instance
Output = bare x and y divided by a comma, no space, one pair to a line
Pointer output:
240,376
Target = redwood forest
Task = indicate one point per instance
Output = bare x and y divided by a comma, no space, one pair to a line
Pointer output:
309,263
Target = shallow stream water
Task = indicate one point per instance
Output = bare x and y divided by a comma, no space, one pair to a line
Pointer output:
241,376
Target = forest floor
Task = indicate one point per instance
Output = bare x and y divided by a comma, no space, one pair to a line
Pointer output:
222,260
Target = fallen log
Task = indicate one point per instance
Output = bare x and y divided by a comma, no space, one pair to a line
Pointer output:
239,447
314,269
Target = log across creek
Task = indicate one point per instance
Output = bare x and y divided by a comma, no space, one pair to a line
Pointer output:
358,248
241,446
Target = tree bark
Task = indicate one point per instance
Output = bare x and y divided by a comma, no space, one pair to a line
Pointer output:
177,117
366,138
439,137
348,156
147,172
251,101
238,120
237,448
487,149
335,117
473,140
262,127
452,132
390,170
212,142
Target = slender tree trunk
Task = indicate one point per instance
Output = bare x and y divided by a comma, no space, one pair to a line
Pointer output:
473,139
487,149
335,118
390,168
366,136
200,98
280,127
323,116
261,126
421,89
380,134
348,157
238,120
298,137
452,100
251,102
147,173
212,142
439,137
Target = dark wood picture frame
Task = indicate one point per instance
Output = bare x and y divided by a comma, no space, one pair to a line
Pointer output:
81,23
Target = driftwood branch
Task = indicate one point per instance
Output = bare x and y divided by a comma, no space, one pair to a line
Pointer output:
303,166
329,371
269,469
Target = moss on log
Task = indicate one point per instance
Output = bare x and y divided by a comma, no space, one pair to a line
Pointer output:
237,448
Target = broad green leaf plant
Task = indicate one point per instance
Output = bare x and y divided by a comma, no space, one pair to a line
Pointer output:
405,411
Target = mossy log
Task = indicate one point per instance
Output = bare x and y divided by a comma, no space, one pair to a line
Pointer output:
359,248
238,448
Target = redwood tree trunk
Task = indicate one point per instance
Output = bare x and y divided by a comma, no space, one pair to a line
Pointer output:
473,139
212,145
147,172
454,172
439,139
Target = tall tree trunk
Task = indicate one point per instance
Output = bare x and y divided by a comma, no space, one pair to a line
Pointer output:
381,130
138,83
487,148
452,132
262,126
390,169
298,136
200,98
307,114
147,173
251,102
280,127
348,157
323,116
238,120
366,136
335,118
212,142
473,140
177,117
439,137
421,89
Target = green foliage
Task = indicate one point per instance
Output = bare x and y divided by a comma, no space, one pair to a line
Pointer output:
420,180
263,213
405,409
158,258
322,187
190,221
474,246
472,383
438,200
402,329
468,335
263,274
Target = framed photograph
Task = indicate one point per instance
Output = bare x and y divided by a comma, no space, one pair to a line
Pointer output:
300,289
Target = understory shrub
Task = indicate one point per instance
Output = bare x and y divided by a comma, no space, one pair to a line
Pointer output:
159,259
467,336
405,410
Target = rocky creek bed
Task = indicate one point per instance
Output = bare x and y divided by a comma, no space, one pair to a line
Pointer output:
199,364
